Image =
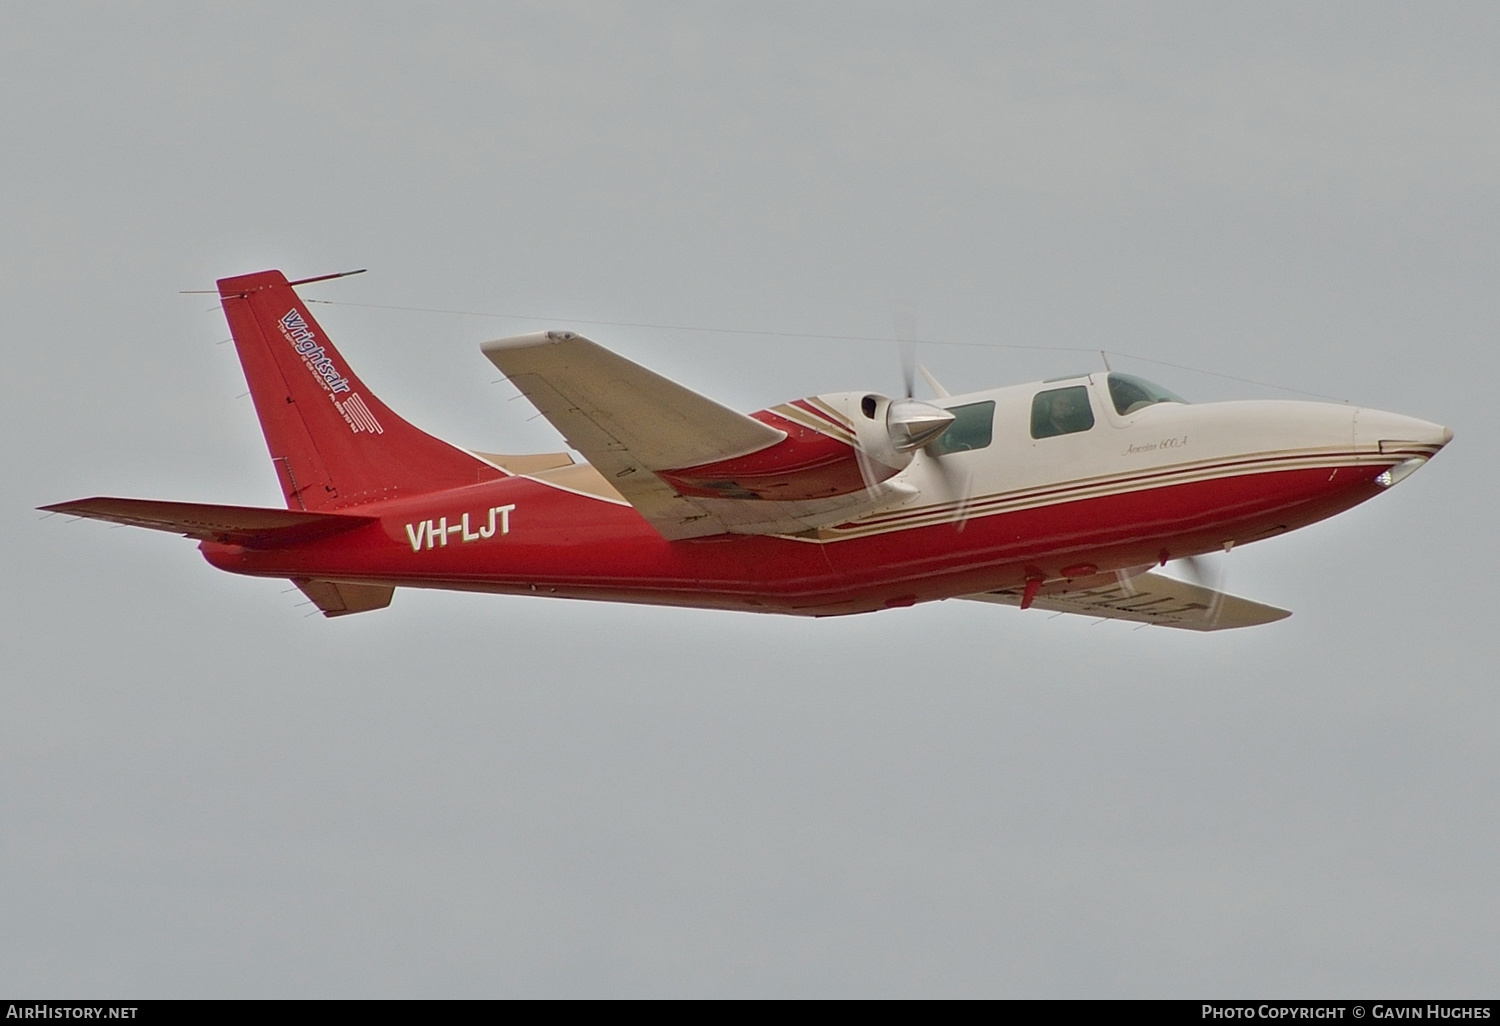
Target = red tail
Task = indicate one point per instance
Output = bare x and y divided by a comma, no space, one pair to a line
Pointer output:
334,444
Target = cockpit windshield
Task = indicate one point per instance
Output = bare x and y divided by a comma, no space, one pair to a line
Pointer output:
1130,393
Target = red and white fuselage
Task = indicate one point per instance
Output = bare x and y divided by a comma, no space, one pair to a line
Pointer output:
1167,482
835,504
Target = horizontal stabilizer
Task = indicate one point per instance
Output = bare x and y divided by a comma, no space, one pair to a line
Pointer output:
1149,598
338,598
251,526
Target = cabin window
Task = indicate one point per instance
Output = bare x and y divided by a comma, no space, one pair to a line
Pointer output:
1130,393
973,427
1061,411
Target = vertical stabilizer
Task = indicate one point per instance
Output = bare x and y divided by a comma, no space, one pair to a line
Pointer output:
333,442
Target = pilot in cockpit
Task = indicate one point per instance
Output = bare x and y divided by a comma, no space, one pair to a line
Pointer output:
1061,411
1070,412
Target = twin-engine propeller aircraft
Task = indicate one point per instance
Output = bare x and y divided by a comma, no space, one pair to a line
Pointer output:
1060,495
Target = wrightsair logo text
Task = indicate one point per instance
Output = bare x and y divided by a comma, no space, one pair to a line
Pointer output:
352,408
315,356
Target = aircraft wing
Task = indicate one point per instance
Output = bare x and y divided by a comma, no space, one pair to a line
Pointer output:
1149,598
630,422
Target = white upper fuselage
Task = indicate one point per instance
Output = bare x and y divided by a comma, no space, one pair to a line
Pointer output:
1165,443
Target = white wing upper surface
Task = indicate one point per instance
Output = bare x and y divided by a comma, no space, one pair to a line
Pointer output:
1149,598
630,422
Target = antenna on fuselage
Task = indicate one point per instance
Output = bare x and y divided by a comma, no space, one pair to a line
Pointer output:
1105,357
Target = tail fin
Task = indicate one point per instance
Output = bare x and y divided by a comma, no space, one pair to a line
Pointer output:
334,444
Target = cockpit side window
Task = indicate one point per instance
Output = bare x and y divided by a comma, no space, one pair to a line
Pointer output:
973,427
1061,411
1130,393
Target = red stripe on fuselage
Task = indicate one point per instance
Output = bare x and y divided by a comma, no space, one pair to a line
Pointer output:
569,545
1142,481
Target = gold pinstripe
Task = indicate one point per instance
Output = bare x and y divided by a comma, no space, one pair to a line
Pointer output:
1114,484
842,430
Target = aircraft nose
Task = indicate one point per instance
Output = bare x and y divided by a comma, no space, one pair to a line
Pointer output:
1385,432
1413,442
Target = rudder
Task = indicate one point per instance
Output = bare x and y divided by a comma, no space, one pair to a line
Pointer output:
332,441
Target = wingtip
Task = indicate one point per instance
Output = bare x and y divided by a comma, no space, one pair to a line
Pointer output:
529,341
64,507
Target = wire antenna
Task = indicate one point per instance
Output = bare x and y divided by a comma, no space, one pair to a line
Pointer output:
299,281
706,330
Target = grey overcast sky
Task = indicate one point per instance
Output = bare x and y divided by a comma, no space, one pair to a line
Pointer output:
205,791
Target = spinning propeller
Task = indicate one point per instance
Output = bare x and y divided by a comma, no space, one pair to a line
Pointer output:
911,424
1209,573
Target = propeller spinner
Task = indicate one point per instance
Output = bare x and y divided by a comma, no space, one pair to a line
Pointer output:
912,423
